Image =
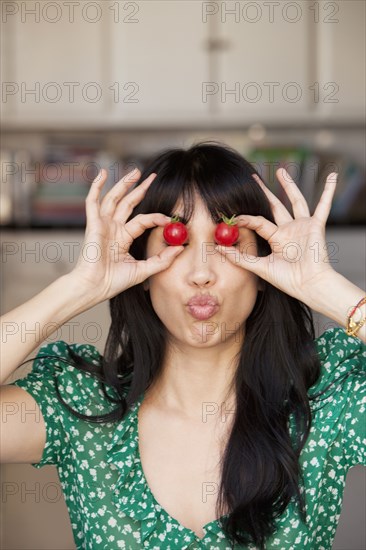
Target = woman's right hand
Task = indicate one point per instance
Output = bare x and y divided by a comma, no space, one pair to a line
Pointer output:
104,264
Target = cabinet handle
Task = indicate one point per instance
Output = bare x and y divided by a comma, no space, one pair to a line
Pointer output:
217,44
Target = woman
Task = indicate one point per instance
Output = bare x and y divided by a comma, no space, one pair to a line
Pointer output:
214,419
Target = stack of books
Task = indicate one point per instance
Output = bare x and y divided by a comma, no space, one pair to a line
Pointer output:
309,169
52,192
64,180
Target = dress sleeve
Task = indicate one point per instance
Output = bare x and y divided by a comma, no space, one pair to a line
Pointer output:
343,358
53,363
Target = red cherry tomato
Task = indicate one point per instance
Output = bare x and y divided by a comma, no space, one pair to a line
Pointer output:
226,232
175,233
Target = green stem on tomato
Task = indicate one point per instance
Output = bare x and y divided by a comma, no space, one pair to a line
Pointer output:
229,221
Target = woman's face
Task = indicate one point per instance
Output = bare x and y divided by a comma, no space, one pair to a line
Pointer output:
199,269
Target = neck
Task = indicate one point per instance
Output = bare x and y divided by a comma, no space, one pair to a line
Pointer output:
197,385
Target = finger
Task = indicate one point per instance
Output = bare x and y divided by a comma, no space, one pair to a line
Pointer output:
135,227
92,198
125,206
259,224
255,264
325,203
158,262
299,205
109,202
280,212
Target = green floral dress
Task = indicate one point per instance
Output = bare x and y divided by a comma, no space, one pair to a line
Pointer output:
108,498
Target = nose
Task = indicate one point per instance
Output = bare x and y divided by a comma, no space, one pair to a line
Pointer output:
201,270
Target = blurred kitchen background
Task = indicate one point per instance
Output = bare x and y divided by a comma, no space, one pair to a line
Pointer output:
87,85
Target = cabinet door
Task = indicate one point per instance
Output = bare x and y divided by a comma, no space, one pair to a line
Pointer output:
159,60
55,68
32,260
264,57
342,59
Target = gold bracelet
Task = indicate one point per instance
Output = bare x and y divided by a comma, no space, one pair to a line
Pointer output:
352,326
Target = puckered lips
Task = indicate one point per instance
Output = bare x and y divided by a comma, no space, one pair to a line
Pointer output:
202,306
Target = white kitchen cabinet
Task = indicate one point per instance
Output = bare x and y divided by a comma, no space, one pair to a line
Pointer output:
54,62
150,63
291,60
159,61
347,251
342,60
113,63
30,261
263,60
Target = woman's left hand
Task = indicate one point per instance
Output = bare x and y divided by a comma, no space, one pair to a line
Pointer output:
299,255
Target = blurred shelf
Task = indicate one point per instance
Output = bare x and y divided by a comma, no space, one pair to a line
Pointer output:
212,124
57,228
42,228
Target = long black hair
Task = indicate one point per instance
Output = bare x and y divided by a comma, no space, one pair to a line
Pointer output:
277,364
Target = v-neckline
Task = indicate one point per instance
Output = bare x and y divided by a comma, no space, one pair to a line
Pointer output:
205,527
